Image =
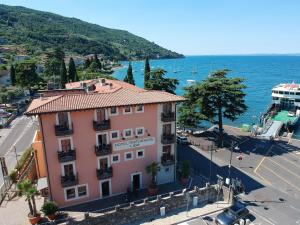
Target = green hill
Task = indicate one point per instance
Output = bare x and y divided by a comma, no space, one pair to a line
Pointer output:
37,30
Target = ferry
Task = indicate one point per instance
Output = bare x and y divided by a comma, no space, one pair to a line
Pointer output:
284,112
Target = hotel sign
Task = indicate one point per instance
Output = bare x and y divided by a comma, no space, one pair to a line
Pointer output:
134,143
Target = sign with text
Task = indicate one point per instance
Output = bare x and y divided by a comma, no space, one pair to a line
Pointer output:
134,143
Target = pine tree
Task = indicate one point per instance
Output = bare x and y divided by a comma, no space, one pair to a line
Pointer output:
97,61
63,74
13,75
72,71
146,71
129,77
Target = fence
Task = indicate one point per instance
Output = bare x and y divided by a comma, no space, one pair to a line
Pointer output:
4,187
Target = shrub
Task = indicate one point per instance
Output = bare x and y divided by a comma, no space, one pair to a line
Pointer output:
13,175
49,208
186,169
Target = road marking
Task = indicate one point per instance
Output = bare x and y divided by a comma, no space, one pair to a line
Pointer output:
281,177
264,218
286,159
263,159
294,208
264,179
284,168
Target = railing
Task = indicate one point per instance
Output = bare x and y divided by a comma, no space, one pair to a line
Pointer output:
69,180
167,160
66,156
104,173
167,139
168,117
101,150
61,130
103,125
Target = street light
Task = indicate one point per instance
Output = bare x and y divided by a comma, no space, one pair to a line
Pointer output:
230,161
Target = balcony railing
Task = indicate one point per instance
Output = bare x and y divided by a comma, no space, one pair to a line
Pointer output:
69,180
101,150
62,130
168,117
104,173
66,156
103,125
167,139
167,160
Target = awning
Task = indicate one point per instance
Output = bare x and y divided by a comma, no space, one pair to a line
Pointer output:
42,183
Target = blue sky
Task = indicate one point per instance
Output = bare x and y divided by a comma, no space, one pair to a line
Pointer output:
192,27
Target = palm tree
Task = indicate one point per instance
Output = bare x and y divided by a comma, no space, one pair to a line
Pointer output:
27,189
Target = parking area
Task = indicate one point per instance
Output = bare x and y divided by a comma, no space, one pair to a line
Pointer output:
281,168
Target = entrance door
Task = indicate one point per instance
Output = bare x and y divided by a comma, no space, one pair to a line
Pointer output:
136,182
105,187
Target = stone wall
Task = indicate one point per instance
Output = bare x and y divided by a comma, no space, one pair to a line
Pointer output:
150,207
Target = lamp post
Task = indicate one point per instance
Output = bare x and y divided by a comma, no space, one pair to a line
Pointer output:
230,161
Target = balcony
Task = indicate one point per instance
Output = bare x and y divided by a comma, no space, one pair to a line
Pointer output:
102,150
168,117
66,156
104,173
62,130
69,180
167,139
99,126
167,160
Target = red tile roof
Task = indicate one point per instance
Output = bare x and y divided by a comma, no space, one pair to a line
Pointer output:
119,94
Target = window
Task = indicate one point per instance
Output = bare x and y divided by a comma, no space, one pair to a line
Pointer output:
65,144
113,111
63,119
82,191
167,129
297,93
139,109
167,150
127,110
140,131
114,135
286,93
167,108
100,115
127,132
68,169
102,139
115,158
128,156
70,193
281,92
140,154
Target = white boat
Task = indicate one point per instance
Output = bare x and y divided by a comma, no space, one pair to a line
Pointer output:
190,81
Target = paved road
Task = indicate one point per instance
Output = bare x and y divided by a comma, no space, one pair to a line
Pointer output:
270,172
20,135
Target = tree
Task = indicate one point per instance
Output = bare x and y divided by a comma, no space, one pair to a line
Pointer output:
158,82
27,189
97,61
152,170
26,75
53,62
63,74
72,71
129,77
13,75
218,96
189,116
146,71
87,63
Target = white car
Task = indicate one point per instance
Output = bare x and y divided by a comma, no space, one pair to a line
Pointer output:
182,140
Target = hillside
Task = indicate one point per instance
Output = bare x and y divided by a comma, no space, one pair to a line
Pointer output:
38,31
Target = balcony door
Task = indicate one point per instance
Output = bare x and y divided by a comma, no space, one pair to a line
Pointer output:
69,170
167,108
65,145
100,115
167,151
102,139
167,129
104,163
63,119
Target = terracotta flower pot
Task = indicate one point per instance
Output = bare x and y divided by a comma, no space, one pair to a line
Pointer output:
51,216
184,180
152,190
34,219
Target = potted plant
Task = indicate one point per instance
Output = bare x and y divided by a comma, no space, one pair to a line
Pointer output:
27,189
152,170
50,208
185,172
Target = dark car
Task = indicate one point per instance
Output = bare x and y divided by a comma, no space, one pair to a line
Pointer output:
232,215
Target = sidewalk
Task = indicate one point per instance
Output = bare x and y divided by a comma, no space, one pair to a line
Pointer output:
182,216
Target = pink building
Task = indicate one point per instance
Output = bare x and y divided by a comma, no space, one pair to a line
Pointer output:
99,136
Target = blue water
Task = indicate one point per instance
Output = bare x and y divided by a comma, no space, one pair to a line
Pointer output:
261,73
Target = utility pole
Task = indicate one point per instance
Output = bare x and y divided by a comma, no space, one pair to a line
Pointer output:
210,164
16,154
230,160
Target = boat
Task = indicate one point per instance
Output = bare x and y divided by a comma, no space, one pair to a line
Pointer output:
284,111
190,81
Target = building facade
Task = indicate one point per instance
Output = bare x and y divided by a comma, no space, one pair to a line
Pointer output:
98,140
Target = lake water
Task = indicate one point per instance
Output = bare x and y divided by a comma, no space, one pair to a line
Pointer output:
261,73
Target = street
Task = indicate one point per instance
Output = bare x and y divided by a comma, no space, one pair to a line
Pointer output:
269,170
19,135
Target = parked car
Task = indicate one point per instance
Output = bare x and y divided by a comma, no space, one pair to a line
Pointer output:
232,215
182,140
